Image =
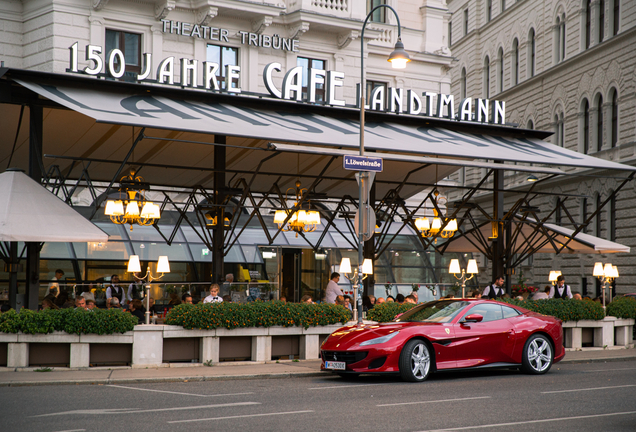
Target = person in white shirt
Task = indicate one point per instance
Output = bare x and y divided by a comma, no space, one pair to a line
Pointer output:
333,290
54,286
562,290
214,295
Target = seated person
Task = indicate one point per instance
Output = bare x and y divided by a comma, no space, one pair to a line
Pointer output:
227,298
174,299
114,303
80,302
214,295
47,303
410,299
90,304
306,299
136,310
186,298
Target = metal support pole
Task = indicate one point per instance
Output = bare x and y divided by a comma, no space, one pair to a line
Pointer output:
13,274
218,234
498,245
35,172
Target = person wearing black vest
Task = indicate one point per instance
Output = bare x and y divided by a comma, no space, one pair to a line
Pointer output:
114,290
495,290
561,290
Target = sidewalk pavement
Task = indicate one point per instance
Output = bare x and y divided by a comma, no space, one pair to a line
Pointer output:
224,371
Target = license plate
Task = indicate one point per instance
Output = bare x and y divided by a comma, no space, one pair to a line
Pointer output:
335,365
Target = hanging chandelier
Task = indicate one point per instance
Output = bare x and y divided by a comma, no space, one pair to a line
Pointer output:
134,208
300,220
434,228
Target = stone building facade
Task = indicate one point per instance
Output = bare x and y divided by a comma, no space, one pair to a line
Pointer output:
565,66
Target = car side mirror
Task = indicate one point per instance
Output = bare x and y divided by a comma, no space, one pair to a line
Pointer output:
473,318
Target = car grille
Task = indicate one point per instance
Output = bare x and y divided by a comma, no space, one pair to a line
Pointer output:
348,357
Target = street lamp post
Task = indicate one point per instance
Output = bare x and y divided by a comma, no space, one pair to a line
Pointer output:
398,58
606,274
366,269
471,269
134,267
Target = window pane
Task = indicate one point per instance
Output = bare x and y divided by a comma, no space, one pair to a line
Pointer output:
112,40
213,54
131,50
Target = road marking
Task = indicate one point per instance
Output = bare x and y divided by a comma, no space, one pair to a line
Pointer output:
241,416
588,389
343,386
532,421
608,370
179,393
433,401
73,430
137,410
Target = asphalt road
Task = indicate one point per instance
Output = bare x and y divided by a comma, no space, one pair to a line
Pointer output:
571,397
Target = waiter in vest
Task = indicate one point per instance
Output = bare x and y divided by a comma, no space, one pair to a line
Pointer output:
495,290
114,290
562,290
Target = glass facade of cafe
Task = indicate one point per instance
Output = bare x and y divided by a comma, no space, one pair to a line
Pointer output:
290,265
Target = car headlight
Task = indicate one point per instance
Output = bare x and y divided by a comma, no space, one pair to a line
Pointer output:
379,340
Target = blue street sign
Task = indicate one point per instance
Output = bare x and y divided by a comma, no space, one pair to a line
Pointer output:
362,163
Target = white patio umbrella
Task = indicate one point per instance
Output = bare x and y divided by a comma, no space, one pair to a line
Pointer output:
30,213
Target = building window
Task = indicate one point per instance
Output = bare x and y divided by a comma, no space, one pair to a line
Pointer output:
614,128
450,33
515,62
559,38
463,84
379,15
586,126
371,85
223,56
130,45
611,218
488,10
487,77
465,22
616,18
500,66
503,6
531,53
306,64
557,212
601,20
530,124
588,23
584,213
558,129
599,122
597,219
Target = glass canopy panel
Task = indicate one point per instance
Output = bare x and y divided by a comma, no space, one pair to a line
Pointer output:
111,250
55,250
152,251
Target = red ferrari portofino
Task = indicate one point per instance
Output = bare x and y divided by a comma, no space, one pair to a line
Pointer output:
444,335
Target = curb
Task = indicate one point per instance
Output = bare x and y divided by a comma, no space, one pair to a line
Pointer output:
161,380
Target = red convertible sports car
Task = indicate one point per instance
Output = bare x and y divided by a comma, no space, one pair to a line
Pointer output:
444,335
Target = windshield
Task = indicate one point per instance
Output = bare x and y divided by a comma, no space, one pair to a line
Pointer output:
439,311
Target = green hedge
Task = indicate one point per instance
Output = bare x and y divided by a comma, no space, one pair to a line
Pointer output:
624,307
385,312
565,310
73,321
257,314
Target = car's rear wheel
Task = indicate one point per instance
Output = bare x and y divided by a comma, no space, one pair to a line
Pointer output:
415,361
537,355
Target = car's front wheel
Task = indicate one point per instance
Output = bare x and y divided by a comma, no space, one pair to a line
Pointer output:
537,355
415,361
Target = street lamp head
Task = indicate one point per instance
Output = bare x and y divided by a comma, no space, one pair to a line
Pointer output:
399,57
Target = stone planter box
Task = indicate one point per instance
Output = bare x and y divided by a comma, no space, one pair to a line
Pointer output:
608,332
153,345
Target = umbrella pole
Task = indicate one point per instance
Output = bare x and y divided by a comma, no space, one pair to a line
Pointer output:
13,274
